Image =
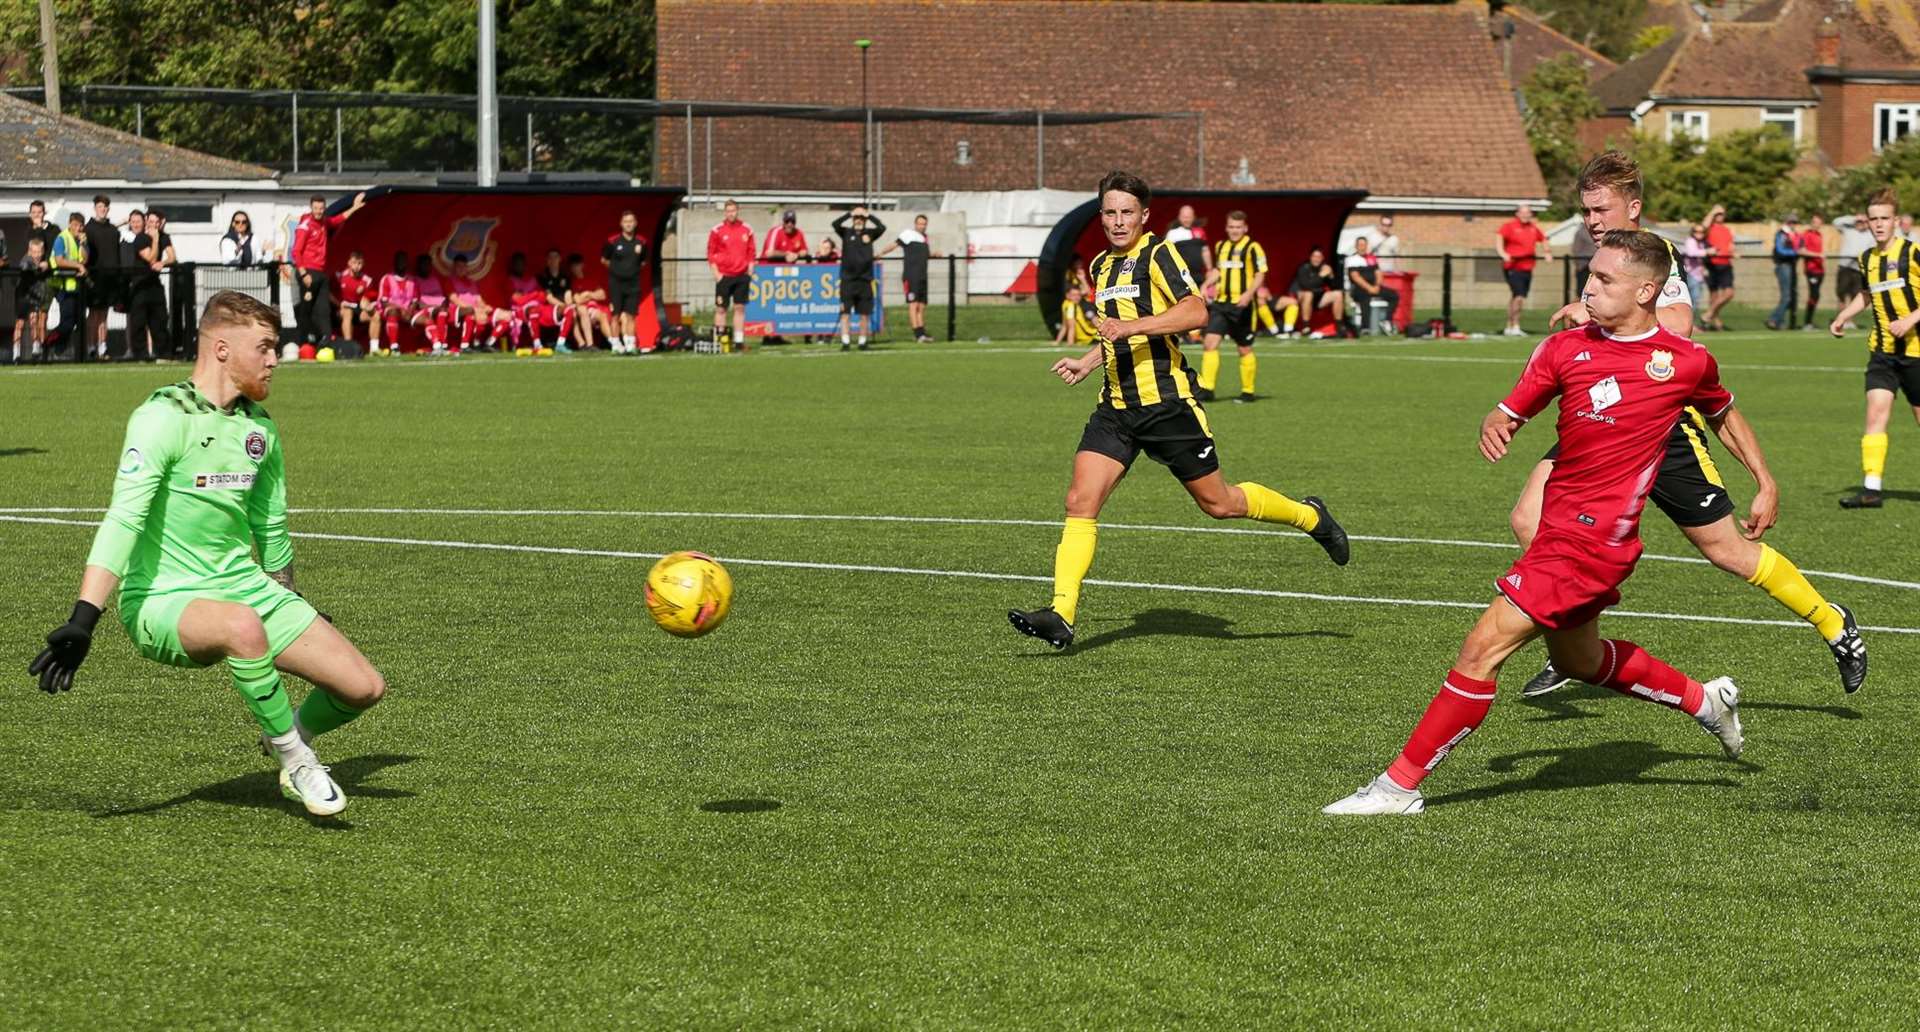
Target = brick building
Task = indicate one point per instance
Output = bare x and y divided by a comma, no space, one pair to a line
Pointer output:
1409,103
1839,76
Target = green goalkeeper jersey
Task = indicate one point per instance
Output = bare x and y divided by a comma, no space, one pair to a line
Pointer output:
199,488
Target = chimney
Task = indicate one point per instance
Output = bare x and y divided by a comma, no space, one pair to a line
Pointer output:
1826,44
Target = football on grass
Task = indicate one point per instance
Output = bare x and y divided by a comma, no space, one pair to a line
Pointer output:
688,594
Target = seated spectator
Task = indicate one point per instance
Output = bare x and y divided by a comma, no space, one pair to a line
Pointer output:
826,250
357,294
1079,320
1314,287
787,243
557,288
237,245
433,304
399,301
590,301
1363,276
481,324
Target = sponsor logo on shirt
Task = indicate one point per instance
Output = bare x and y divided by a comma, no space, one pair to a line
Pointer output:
131,461
256,445
223,481
1606,393
1109,293
1888,284
1659,368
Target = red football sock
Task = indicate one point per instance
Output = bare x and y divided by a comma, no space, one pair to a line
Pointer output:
393,330
1460,706
1630,670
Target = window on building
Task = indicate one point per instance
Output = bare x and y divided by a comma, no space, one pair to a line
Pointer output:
1691,123
1787,120
1892,121
187,211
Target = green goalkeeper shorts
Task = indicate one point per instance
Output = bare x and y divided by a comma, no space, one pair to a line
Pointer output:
153,621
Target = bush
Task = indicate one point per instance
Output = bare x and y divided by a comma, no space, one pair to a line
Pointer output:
1743,170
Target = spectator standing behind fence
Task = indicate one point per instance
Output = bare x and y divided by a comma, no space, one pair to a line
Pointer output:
70,264
786,243
147,336
1906,229
730,256
1693,265
1719,267
38,228
1384,243
1786,256
624,255
1855,240
1813,251
307,258
1363,273
914,252
857,231
30,299
236,244
107,284
1521,244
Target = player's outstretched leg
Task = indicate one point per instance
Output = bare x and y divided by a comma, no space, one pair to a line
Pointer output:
212,631
1759,565
1632,671
345,682
1252,501
1094,477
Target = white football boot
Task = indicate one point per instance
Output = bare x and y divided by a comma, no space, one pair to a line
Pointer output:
1379,796
309,785
1722,715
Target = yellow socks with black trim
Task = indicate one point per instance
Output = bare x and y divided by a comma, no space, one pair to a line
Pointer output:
1071,561
1873,460
1778,577
259,684
1209,369
1248,366
1270,506
321,713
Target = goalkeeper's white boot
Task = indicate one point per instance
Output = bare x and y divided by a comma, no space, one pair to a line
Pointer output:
1721,718
308,784
1379,796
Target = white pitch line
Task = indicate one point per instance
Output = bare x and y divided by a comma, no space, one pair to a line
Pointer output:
1506,546
791,564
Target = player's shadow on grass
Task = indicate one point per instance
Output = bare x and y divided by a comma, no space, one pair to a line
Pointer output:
8,453
1588,766
262,789
1559,705
1185,623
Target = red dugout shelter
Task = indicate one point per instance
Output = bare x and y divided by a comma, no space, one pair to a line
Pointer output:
1287,223
487,226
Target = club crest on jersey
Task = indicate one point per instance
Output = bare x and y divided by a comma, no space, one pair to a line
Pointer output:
469,238
256,445
1126,267
1660,368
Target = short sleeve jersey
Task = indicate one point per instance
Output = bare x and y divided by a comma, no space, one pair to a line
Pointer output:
1520,241
1238,262
1147,279
1619,399
914,252
556,284
624,256
1892,295
199,489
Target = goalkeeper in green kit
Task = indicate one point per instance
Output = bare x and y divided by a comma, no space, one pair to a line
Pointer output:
202,484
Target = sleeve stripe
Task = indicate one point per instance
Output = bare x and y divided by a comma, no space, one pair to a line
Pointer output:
1503,407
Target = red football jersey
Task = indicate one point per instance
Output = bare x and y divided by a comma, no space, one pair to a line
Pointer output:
348,287
1619,399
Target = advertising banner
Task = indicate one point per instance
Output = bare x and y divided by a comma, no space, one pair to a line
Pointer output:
788,300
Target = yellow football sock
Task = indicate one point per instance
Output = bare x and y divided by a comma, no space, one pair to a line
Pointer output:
1873,458
1209,368
1290,318
1777,576
1263,317
1248,366
1270,506
1071,561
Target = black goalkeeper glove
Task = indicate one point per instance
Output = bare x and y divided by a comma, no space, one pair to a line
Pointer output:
66,649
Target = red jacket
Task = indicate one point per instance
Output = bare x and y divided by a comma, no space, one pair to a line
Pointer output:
1813,250
730,248
309,250
779,242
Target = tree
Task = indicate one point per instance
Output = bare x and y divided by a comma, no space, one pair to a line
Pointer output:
1608,27
1557,103
1742,170
576,48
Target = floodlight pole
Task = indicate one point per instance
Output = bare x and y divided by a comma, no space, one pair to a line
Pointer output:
487,134
866,138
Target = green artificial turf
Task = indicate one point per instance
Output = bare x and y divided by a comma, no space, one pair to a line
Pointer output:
866,802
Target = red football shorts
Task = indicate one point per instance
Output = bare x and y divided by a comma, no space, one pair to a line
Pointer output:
1565,580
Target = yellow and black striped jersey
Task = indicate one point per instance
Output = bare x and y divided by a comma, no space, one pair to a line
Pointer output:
1238,262
1084,320
1148,279
1891,295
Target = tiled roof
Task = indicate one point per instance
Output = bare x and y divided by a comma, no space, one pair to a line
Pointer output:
1535,41
1400,101
1764,54
39,146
